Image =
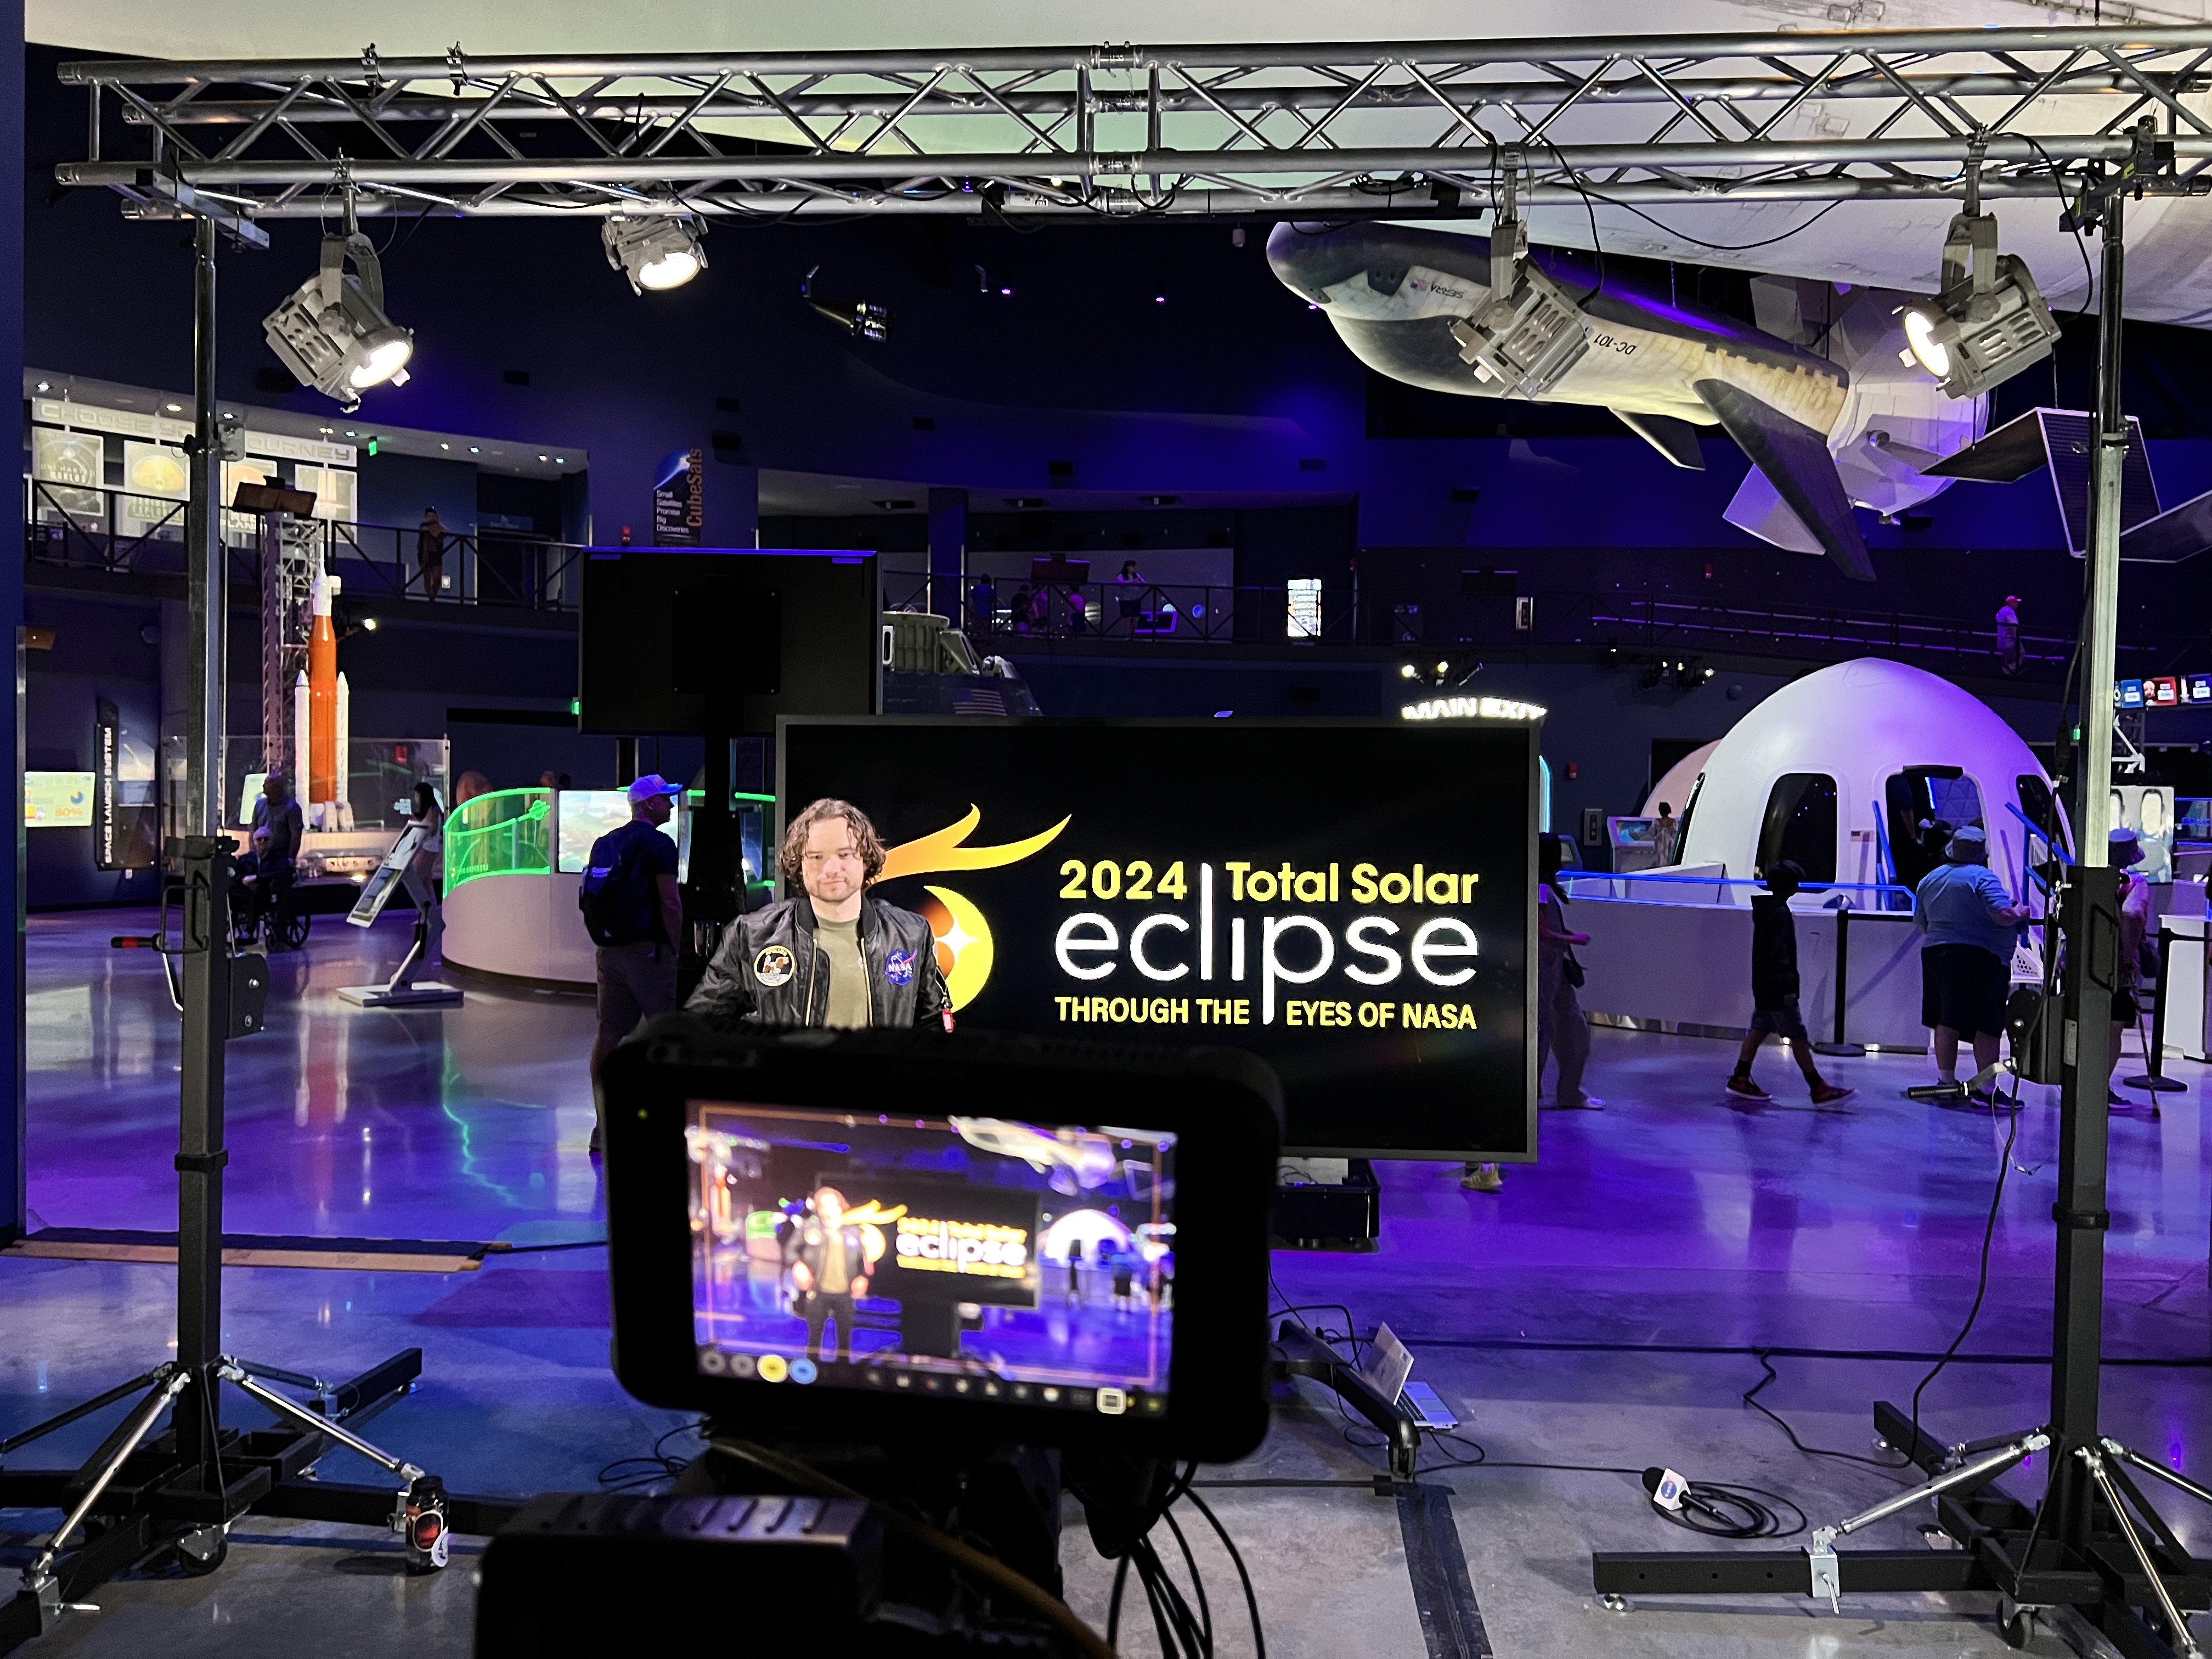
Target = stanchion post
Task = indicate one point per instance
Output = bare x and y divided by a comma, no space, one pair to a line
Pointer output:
1839,1047
2154,1077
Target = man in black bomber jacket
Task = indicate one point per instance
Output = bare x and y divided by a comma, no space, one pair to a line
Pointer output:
829,955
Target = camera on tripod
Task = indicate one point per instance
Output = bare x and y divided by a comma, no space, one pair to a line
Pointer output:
918,1285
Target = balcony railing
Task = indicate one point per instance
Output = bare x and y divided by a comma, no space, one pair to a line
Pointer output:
1003,616
78,527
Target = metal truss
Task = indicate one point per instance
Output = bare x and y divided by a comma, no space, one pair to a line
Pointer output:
1401,129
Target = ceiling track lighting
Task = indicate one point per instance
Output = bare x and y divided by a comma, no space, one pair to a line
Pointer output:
1527,333
657,251
1990,320
333,333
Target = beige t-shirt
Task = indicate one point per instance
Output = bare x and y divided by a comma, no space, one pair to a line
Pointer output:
848,974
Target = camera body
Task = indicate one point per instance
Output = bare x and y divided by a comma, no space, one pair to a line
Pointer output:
1046,1267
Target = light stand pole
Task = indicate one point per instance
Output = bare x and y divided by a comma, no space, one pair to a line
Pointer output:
2090,912
205,945
2093,1544
170,1498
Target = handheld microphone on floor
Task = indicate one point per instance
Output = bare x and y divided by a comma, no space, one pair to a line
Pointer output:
1670,1491
1719,1511
1956,1090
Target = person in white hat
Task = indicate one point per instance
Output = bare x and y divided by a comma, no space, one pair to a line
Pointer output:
2010,653
1966,963
2126,852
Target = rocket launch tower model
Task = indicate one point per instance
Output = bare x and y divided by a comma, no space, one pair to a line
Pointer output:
305,714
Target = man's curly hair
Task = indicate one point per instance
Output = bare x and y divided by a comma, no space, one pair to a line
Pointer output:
791,859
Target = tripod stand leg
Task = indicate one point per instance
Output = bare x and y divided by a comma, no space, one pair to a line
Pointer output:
2126,1455
84,1408
1827,1574
419,1514
2185,1643
38,1578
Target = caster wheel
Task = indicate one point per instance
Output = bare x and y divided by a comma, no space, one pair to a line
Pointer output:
199,1553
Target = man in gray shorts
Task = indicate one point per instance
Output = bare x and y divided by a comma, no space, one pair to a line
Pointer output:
635,911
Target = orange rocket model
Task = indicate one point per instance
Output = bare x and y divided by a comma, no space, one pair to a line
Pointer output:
323,757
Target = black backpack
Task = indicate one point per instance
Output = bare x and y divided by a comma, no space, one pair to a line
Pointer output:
617,896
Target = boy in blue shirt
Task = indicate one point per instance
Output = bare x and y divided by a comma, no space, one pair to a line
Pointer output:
1774,989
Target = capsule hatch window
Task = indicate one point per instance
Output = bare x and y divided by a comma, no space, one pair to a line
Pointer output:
1801,824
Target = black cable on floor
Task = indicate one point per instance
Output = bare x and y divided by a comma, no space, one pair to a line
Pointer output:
1237,1560
1750,1398
625,1473
1981,1281
1965,1329
1712,1509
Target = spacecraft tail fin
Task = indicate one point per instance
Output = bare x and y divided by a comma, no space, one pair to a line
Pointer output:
1757,510
1677,440
1794,462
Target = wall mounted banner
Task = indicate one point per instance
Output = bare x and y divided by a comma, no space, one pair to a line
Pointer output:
1350,900
125,832
679,499
107,770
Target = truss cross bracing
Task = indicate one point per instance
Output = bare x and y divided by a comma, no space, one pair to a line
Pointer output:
289,547
1399,129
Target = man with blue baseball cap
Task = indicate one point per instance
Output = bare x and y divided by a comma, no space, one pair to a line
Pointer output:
634,912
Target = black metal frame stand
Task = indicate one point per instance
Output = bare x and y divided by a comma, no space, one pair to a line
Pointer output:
173,1496
2093,1542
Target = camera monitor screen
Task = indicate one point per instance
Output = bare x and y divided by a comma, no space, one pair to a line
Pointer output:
989,1258
902,1235
1352,900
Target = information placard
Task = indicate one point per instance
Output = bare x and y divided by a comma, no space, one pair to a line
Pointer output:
1351,900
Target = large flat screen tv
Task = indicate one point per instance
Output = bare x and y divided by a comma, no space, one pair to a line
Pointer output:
1350,900
726,638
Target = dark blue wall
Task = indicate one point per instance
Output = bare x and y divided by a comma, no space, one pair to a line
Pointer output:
395,489
98,652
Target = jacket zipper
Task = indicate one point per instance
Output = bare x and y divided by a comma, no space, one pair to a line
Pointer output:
814,979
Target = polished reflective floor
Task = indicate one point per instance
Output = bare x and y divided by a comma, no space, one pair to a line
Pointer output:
1601,1311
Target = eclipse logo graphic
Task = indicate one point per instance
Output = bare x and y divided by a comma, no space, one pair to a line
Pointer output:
962,935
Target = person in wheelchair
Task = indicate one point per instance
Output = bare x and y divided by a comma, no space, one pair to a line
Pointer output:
259,881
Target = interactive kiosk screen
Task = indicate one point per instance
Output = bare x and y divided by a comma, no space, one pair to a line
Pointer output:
1023,1263
1352,900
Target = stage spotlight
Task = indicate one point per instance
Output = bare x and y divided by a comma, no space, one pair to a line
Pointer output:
1989,322
1527,333
333,334
861,318
661,250
1407,671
